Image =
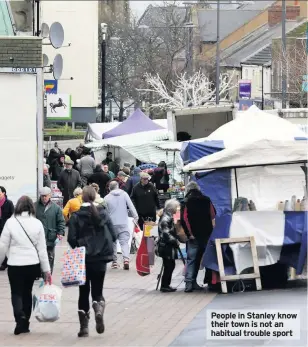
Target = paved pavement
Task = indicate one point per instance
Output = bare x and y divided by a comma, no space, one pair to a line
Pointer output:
136,315
292,298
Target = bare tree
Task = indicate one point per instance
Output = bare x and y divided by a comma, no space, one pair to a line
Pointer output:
191,91
294,59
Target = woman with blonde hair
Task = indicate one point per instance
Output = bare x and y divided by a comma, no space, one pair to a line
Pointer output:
73,205
168,243
99,201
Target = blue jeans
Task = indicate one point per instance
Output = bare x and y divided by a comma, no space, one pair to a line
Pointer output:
195,252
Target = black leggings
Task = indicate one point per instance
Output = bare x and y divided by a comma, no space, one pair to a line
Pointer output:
94,282
21,280
169,265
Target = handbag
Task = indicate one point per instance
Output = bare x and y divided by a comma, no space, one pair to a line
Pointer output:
74,267
29,238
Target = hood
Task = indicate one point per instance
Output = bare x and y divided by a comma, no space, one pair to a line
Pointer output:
136,171
98,169
116,192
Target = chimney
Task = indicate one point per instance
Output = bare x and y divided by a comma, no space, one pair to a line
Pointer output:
275,14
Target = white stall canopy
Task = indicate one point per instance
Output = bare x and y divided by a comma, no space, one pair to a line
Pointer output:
262,152
253,125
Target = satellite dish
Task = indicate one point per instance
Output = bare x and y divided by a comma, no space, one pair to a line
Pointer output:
57,66
45,30
45,60
56,35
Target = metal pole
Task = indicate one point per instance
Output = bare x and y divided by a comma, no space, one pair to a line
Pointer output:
38,18
39,127
218,54
33,19
284,54
262,98
103,82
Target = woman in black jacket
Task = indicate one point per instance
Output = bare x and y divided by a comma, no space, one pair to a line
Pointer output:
168,244
91,227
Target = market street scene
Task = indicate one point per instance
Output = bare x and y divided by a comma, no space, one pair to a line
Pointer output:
153,176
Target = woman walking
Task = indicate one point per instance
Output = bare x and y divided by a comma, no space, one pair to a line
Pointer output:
91,227
168,244
23,240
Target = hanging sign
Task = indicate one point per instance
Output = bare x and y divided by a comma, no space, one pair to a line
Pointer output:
244,88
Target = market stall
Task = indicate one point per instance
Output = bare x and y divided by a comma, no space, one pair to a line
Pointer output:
135,123
263,167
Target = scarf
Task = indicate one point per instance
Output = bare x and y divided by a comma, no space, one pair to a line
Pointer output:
2,201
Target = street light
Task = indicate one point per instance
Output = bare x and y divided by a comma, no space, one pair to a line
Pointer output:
103,67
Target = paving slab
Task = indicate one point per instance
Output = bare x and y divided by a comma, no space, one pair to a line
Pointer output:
292,298
136,314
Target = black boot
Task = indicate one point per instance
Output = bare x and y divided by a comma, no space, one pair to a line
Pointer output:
196,286
189,287
99,308
84,323
22,326
167,289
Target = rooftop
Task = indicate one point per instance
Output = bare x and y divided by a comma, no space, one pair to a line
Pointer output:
254,43
230,21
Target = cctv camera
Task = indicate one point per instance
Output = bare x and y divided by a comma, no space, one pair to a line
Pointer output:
104,27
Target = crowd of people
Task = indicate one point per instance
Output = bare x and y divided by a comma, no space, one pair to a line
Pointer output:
98,201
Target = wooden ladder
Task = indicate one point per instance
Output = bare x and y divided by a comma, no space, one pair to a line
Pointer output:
223,277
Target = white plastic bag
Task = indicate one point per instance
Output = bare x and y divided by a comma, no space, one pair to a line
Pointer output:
47,303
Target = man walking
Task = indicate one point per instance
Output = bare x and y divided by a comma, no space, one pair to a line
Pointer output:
145,199
118,203
50,214
6,212
197,218
46,177
86,166
68,181
101,178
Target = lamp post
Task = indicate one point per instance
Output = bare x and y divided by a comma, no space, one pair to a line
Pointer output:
284,52
103,73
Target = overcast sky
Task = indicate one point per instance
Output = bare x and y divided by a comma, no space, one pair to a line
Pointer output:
138,7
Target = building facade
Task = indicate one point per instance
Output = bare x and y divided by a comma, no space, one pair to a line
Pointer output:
80,54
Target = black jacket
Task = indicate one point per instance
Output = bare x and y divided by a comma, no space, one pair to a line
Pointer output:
167,246
56,169
199,215
145,199
101,179
68,182
160,179
96,236
7,210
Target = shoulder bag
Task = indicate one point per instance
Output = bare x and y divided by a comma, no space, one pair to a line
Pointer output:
29,238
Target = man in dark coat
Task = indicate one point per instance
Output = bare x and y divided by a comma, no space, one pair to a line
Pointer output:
68,181
50,214
100,178
108,159
145,199
132,181
114,166
56,167
197,218
6,212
